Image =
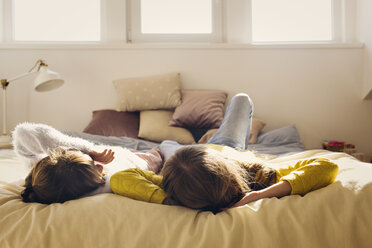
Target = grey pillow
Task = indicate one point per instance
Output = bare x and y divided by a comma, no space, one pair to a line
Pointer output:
278,142
280,136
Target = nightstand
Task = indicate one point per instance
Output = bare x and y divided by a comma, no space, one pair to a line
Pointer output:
6,142
6,146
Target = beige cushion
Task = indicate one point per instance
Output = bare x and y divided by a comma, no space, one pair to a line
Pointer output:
257,126
146,93
154,126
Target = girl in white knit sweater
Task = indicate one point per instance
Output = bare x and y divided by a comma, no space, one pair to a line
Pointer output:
71,166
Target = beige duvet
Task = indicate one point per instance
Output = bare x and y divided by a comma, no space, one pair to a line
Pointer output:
339,215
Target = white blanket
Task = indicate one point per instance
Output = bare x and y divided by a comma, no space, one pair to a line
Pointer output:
339,215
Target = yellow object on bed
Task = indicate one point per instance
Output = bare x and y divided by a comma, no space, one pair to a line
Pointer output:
339,215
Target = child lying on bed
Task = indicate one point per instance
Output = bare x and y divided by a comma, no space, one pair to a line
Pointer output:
66,168
200,177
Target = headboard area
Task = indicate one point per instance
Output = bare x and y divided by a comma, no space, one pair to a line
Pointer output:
317,89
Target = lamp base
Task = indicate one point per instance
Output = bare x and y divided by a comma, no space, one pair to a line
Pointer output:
5,141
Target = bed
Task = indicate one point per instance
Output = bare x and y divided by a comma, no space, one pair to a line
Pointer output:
338,215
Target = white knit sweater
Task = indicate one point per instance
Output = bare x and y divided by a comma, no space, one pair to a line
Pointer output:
31,142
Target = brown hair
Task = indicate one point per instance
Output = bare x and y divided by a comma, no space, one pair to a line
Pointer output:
201,178
63,175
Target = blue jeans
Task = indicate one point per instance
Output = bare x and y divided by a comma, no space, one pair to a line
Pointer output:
234,130
236,125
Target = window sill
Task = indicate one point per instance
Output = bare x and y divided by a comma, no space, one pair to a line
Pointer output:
118,46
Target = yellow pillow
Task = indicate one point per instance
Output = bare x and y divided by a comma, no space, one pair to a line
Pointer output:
147,93
154,126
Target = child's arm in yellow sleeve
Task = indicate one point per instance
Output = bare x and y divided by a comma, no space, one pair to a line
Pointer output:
305,176
138,184
309,175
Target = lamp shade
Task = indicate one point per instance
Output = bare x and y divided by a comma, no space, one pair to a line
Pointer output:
47,80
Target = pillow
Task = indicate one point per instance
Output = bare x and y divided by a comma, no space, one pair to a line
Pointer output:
204,139
278,141
154,126
146,93
200,109
168,148
114,123
280,136
256,127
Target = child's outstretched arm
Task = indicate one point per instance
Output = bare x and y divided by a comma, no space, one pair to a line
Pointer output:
309,175
154,159
138,184
303,177
280,189
32,141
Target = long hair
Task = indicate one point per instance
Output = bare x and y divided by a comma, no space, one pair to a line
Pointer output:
197,178
63,175
201,178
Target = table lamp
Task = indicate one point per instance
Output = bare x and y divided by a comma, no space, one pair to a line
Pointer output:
45,80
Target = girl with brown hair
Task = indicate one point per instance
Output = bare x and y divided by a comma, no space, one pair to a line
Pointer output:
202,177
65,167
63,175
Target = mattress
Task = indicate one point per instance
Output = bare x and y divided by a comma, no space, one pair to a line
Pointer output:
338,215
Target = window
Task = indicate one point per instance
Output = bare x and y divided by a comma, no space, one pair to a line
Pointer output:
233,21
291,20
56,20
175,20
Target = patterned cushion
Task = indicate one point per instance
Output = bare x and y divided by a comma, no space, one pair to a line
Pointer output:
146,93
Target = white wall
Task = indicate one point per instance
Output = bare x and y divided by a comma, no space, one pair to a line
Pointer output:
318,89
365,35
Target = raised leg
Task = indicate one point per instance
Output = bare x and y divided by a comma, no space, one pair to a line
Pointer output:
236,125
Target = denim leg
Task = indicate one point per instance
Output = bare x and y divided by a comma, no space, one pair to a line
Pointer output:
169,147
236,125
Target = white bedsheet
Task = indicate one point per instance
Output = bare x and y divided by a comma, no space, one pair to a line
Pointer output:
12,168
338,215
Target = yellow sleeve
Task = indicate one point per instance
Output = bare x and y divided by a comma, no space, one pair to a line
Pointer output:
309,175
138,184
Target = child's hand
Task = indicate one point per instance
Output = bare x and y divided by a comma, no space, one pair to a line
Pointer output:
104,157
279,189
249,197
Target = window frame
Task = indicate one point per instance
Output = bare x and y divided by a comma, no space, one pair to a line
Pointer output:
135,35
233,21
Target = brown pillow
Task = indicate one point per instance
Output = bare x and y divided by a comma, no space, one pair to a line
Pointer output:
113,123
200,109
257,126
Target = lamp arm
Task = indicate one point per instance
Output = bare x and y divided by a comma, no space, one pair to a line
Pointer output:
20,76
39,63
